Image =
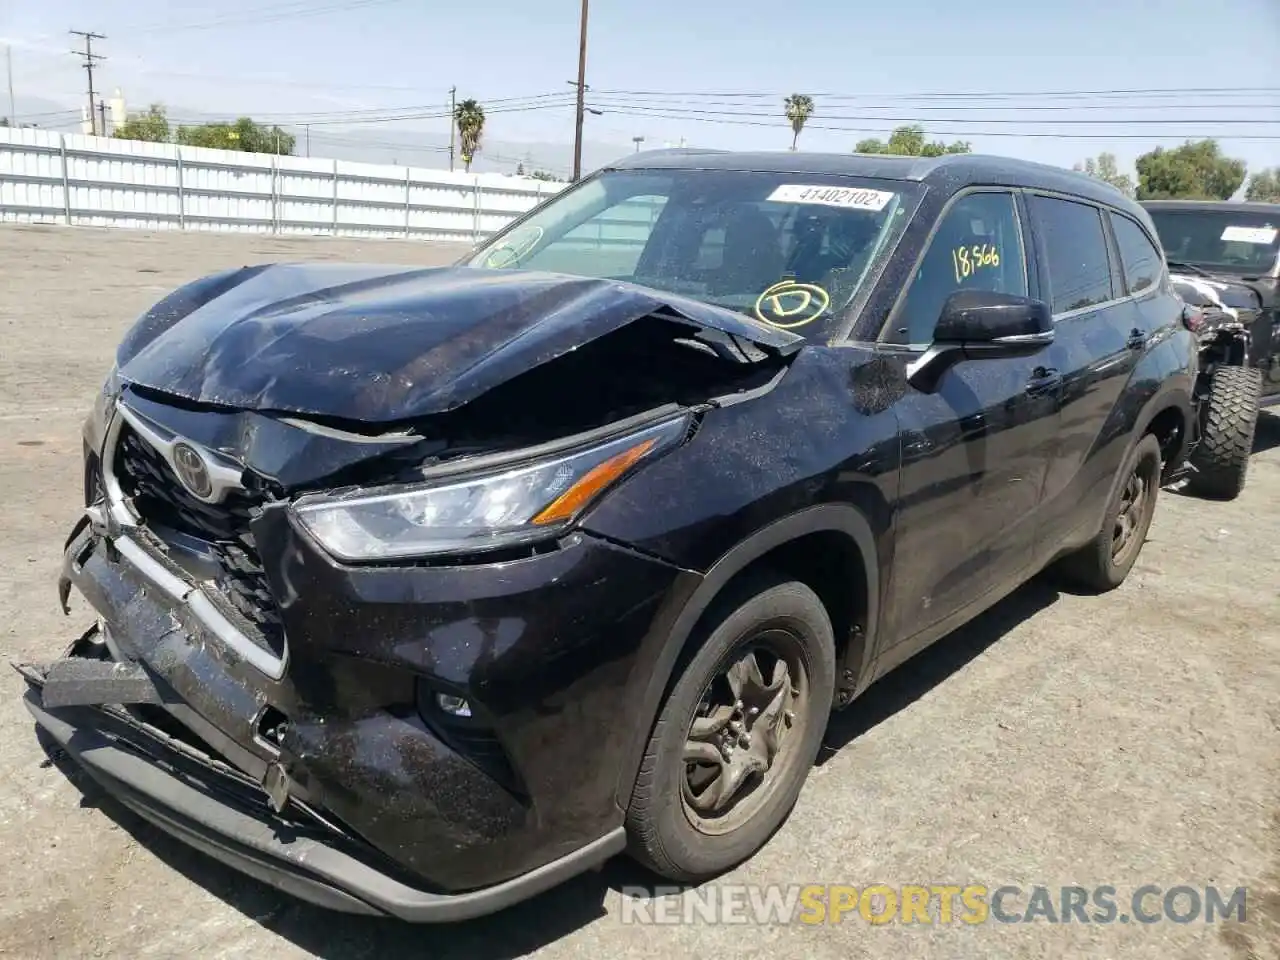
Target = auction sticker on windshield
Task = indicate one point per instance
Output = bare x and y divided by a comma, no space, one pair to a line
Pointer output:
1262,235
854,198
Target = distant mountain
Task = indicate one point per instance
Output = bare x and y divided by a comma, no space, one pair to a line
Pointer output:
385,143
42,112
400,144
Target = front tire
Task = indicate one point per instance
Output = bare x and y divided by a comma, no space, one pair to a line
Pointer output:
1220,461
1104,562
738,733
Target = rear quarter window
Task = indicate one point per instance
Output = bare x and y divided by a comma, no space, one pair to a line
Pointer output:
1139,258
1076,247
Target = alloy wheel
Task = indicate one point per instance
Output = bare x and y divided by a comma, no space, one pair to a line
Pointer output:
743,733
1133,503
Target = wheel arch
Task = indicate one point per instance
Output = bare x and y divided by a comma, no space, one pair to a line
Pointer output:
788,544
1173,429
1168,416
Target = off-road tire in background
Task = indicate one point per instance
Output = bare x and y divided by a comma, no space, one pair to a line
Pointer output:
666,834
1228,420
1098,566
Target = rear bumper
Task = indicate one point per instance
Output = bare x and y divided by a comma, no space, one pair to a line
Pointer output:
211,808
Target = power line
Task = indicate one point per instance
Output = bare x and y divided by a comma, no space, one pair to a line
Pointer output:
50,114
411,111
434,109
916,118
90,58
290,12
631,101
738,96
952,95
655,114
436,114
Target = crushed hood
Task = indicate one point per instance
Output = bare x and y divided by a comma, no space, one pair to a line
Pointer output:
381,344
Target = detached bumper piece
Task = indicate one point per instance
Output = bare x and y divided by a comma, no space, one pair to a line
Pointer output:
226,814
75,681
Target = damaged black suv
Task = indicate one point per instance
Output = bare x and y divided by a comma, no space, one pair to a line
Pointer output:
421,590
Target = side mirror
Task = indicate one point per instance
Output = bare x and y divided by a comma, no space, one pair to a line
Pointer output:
982,325
986,317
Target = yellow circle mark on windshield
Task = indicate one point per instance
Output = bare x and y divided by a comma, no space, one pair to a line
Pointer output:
791,304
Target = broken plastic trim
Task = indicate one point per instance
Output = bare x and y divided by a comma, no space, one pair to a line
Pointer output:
116,524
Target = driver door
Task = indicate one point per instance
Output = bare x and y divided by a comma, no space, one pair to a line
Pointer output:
976,449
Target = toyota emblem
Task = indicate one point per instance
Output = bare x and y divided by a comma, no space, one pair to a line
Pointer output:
192,470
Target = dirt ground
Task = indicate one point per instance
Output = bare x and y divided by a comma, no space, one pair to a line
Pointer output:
1059,740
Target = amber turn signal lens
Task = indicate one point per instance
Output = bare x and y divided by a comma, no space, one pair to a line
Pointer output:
576,497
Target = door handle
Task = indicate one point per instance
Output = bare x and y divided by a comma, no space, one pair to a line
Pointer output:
1043,380
1137,339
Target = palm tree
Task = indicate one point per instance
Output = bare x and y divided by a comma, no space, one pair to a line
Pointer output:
799,108
469,116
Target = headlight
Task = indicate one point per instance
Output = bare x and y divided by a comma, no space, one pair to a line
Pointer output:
463,513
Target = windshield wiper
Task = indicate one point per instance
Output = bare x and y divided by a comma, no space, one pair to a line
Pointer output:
1189,267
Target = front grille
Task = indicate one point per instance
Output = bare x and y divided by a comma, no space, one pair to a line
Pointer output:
161,501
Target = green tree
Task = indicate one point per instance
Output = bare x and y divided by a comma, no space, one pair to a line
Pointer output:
1264,186
798,109
4,121
469,118
1194,171
543,175
152,126
1105,168
243,135
911,141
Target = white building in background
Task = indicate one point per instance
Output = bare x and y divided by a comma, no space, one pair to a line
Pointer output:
108,114
116,114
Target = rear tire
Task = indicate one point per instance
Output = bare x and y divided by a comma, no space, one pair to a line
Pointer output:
1105,562
702,802
1220,461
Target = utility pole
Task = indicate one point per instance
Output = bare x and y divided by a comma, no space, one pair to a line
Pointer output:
637,141
13,110
307,127
102,113
582,91
89,59
453,125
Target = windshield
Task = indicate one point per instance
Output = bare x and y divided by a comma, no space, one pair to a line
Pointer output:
1238,241
790,250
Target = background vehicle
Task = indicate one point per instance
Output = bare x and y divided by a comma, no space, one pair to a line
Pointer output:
423,590
1225,262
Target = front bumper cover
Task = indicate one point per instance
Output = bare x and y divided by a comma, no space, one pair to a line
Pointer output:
394,818
213,808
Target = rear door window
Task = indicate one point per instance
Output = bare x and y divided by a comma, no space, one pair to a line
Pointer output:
1139,257
1079,270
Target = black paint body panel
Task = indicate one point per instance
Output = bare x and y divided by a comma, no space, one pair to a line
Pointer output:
924,507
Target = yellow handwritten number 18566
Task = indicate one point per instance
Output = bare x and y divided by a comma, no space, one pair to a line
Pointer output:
969,260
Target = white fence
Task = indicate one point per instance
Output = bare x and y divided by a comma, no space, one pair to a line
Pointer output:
48,177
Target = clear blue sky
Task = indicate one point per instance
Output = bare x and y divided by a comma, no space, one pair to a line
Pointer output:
403,53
